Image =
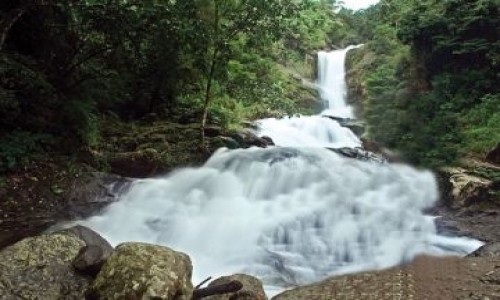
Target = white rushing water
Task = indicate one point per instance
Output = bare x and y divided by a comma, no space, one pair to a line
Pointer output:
319,131
288,215
331,81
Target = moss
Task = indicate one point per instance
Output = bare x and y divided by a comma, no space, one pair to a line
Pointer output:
144,271
141,150
40,268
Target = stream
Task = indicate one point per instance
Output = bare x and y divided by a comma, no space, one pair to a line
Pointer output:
290,214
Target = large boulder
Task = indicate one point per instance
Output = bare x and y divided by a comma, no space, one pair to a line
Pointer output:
94,254
252,288
144,271
468,189
40,268
247,138
223,141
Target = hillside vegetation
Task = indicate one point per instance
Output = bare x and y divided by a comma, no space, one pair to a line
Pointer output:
427,79
65,66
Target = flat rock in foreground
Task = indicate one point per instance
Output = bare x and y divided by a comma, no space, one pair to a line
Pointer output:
425,278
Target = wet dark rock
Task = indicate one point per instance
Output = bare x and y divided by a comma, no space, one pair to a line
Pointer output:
481,224
223,141
89,260
494,155
252,288
488,250
90,237
269,140
213,131
88,195
29,206
247,138
359,153
372,146
249,124
96,251
448,227
356,126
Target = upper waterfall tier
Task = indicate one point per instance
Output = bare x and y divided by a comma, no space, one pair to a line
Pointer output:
331,82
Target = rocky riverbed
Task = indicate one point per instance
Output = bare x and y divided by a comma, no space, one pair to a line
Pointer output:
77,263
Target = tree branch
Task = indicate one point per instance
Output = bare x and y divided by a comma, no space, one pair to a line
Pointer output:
10,18
225,288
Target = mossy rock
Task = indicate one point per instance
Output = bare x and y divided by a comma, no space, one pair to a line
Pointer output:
144,271
141,163
40,268
223,141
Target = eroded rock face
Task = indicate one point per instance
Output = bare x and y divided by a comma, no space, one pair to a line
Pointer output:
252,288
467,189
144,271
40,268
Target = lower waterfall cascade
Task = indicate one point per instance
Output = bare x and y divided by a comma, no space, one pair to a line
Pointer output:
290,214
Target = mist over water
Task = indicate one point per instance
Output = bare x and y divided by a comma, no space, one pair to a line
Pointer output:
291,214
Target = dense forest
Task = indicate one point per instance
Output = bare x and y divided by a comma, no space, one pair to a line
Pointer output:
426,81
68,67
428,77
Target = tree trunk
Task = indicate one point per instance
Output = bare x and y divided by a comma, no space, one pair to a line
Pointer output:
210,77
11,17
8,21
208,96
220,289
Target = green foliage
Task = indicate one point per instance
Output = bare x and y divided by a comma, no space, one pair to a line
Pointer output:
488,173
311,27
482,125
431,82
81,116
65,65
20,147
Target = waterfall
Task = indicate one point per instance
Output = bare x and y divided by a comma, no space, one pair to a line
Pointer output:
291,214
331,81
